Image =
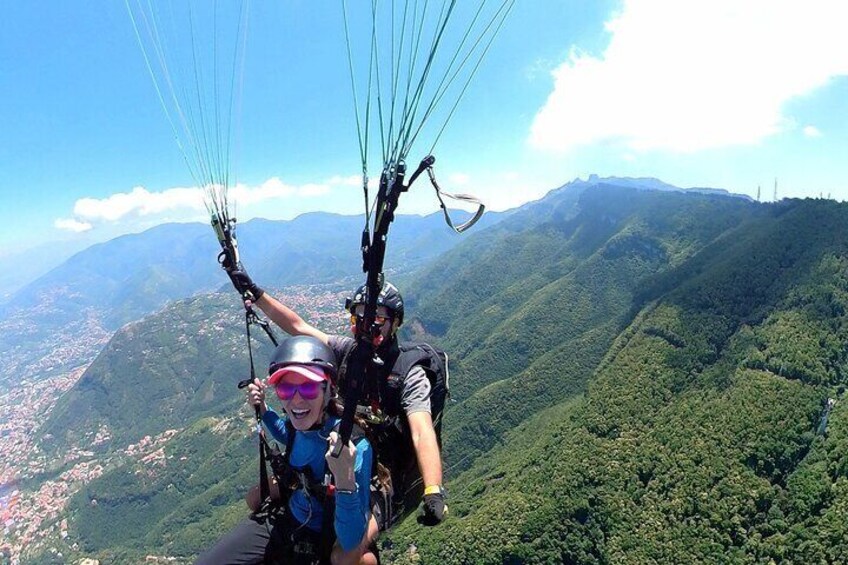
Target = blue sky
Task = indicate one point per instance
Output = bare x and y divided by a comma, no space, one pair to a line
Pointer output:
724,93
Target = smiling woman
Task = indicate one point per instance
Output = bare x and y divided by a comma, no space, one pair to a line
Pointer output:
319,507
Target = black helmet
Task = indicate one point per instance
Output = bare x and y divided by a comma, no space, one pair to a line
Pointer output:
303,350
389,297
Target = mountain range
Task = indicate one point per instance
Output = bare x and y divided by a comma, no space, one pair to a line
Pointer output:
639,374
97,290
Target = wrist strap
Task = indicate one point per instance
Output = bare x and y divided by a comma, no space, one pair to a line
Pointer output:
343,491
434,489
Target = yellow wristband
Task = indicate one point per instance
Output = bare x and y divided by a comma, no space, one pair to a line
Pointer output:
433,489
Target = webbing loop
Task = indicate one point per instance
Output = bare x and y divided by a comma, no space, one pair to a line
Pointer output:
469,198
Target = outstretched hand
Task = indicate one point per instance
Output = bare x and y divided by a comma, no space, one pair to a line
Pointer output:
434,509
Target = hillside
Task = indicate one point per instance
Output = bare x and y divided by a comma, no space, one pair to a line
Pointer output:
166,382
19,268
98,290
171,368
639,376
696,440
176,499
543,301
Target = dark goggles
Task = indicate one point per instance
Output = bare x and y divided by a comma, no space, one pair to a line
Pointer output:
309,390
379,320
359,312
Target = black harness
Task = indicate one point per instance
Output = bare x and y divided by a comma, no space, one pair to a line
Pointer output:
305,546
380,405
365,363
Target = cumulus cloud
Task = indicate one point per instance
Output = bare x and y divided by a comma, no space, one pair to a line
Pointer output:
459,179
812,131
351,180
139,201
686,75
69,224
186,204
270,189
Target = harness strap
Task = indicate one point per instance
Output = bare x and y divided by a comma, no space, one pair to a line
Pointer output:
251,318
264,490
290,432
328,526
308,482
460,197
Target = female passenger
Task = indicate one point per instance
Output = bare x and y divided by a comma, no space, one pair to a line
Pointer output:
289,529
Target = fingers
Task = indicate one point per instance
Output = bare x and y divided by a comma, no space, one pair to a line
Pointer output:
256,393
348,453
328,457
332,441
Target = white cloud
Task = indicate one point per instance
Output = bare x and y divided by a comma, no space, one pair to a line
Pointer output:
351,180
270,189
812,131
69,224
142,207
459,179
685,75
274,188
139,202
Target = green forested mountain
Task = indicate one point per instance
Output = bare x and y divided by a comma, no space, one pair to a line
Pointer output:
173,372
696,440
136,274
639,377
175,504
539,299
169,369
100,289
162,372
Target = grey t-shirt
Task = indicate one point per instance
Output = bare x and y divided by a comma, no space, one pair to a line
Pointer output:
415,395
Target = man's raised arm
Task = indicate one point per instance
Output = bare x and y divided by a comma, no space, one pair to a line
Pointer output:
287,319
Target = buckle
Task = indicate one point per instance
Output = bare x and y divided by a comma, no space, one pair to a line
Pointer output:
370,415
304,547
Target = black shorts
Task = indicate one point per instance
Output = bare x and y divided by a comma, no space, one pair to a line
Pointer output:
269,537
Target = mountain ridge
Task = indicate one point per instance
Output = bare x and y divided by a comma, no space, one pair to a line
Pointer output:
613,257
99,289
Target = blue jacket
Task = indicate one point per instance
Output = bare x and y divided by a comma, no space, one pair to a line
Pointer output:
352,510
